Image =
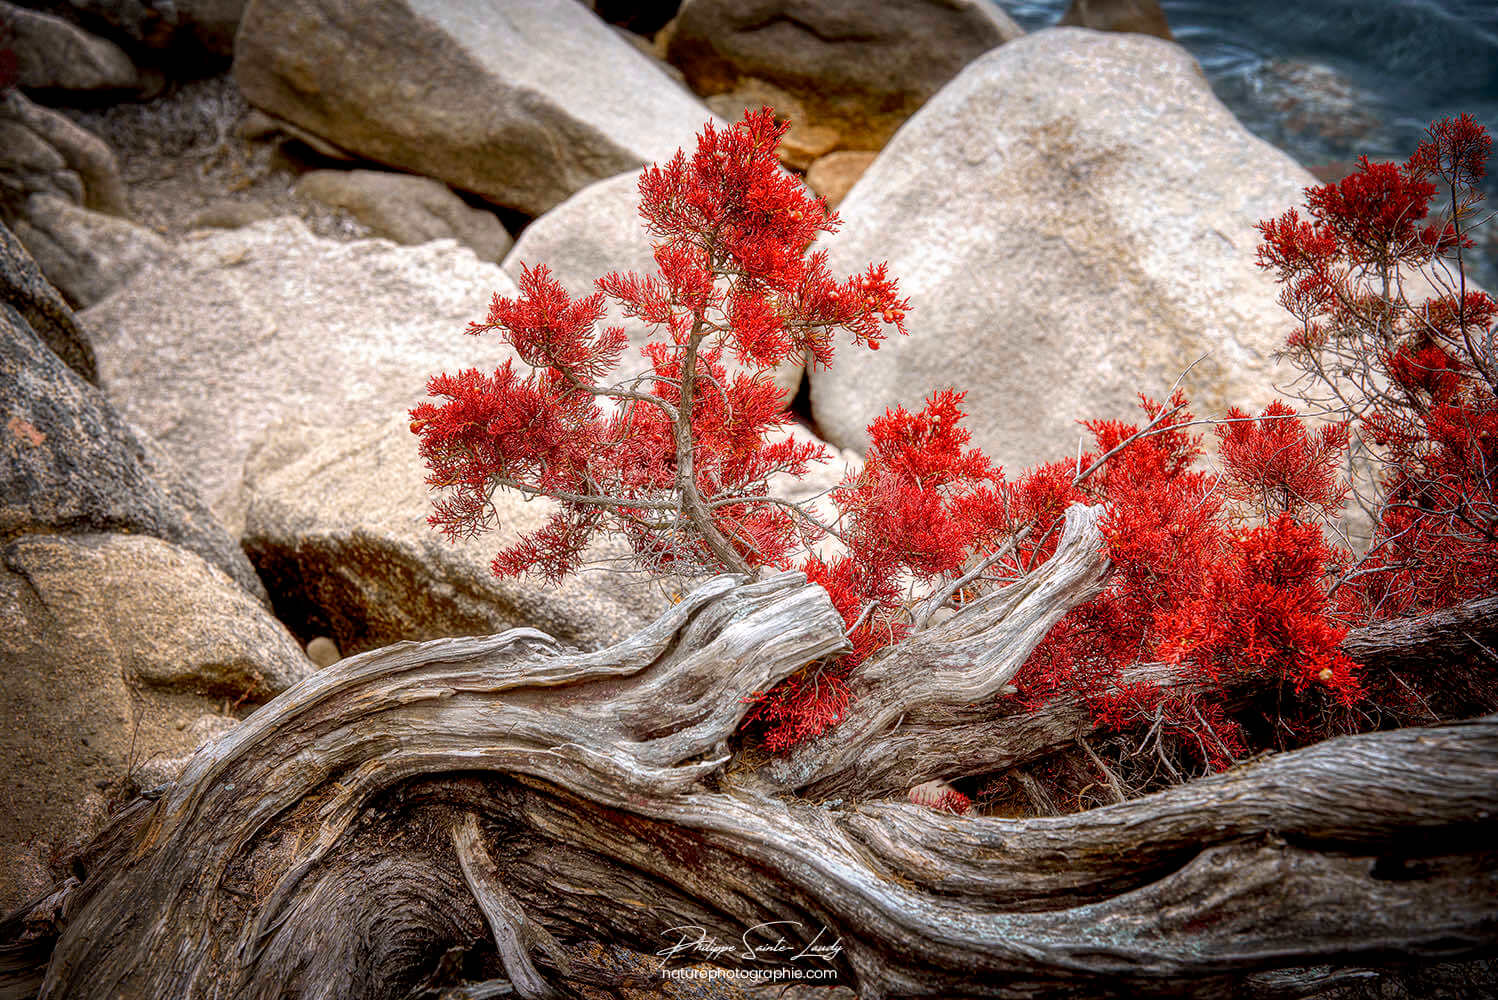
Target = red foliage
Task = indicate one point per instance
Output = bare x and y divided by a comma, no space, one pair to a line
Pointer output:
1418,380
1223,584
1220,577
680,466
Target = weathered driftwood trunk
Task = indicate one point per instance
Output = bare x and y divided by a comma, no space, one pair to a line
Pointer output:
477,809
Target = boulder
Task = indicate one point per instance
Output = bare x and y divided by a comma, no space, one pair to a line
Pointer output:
173,621
522,109
1141,16
57,182
596,231
127,615
239,328
802,143
407,209
86,254
112,650
190,36
859,69
69,464
1072,219
53,54
41,307
337,524
834,175
43,152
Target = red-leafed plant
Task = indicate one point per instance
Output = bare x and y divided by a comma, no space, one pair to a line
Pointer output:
1392,338
677,461
1223,577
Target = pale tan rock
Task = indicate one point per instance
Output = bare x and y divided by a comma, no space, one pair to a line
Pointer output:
110,645
834,175
337,523
523,109
241,327
86,254
804,141
323,652
1072,219
407,209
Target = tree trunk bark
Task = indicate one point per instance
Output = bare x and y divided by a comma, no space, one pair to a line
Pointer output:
480,809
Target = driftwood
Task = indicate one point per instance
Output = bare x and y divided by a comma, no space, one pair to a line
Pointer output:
477,809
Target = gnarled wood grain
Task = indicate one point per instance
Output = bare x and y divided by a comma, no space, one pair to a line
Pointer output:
441,812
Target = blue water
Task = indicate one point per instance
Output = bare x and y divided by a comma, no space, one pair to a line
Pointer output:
1330,80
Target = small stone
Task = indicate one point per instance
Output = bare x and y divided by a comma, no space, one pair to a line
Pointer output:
834,175
323,652
1144,17
804,143
226,213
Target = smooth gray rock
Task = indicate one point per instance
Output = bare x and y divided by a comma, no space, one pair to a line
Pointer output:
337,524
86,254
407,209
54,54
859,69
596,231
522,105
1072,219
242,327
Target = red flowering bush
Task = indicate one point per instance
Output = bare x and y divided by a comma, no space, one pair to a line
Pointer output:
1222,576
1391,337
677,462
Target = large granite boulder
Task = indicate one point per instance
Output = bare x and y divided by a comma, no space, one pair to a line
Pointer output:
240,328
407,209
859,69
523,106
337,524
56,55
131,625
113,649
69,463
1072,219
